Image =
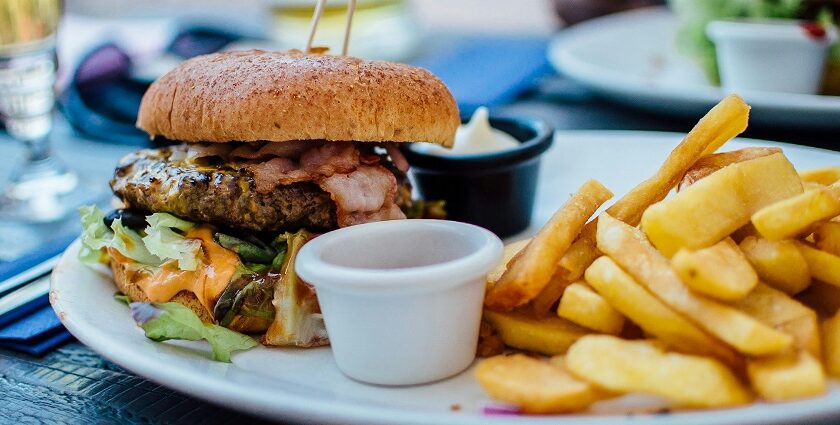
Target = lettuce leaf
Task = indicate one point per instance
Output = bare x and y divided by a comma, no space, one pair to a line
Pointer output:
165,321
95,235
130,244
163,242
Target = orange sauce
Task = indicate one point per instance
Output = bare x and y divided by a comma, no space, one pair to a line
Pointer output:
215,269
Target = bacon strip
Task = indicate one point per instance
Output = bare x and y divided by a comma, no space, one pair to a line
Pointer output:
364,195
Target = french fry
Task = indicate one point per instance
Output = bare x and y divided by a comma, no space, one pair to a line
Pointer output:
535,386
827,237
628,247
743,232
723,122
824,176
775,308
711,163
581,254
831,345
542,303
720,271
796,216
823,265
534,267
711,209
581,305
822,297
641,366
778,263
787,377
653,316
511,250
549,336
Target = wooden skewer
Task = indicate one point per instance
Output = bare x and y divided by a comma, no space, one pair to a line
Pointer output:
313,25
351,9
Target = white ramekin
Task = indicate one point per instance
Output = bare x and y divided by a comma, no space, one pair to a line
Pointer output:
401,299
769,55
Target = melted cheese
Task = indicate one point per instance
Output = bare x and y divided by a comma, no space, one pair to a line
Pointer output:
215,269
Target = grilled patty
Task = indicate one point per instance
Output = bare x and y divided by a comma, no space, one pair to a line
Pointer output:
152,180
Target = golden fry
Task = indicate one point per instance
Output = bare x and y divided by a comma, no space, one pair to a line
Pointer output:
787,377
723,122
711,163
511,250
824,176
641,366
711,209
824,266
655,318
796,216
775,308
541,304
533,269
633,253
720,271
550,336
535,386
827,237
778,263
581,305
831,345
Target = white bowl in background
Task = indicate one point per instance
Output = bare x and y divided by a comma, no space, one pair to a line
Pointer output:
778,55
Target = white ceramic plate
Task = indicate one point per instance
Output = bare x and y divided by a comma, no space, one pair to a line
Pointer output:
631,58
305,385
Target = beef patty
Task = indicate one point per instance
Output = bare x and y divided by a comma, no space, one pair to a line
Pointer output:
154,180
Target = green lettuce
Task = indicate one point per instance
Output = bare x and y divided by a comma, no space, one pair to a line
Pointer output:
161,241
164,242
166,321
96,236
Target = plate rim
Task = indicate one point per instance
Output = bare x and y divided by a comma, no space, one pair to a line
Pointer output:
609,81
290,406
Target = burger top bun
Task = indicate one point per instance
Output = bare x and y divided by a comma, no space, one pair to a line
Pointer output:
282,96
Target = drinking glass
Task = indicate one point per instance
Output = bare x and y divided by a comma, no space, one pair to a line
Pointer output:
42,189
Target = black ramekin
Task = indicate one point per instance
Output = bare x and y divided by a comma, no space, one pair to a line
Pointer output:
493,190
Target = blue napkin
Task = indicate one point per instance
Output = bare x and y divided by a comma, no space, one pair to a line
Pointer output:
36,333
489,71
33,327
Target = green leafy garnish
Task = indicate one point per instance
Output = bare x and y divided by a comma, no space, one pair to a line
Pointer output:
122,298
251,250
96,236
165,243
165,321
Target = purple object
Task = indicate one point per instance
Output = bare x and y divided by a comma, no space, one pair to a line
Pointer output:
500,410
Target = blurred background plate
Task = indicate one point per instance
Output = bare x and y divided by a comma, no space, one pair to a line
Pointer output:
305,385
631,58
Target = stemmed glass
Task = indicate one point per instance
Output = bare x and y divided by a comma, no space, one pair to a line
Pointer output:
37,205
41,189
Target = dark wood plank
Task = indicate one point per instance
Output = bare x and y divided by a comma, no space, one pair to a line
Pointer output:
74,385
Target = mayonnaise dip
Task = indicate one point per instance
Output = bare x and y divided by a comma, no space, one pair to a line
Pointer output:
477,136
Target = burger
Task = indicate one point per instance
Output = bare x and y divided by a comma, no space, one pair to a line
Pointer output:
263,151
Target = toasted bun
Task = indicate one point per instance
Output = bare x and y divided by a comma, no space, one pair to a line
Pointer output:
123,278
282,96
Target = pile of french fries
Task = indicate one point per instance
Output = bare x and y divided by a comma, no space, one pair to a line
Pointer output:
724,293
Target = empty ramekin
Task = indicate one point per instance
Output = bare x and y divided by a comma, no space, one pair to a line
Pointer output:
401,299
